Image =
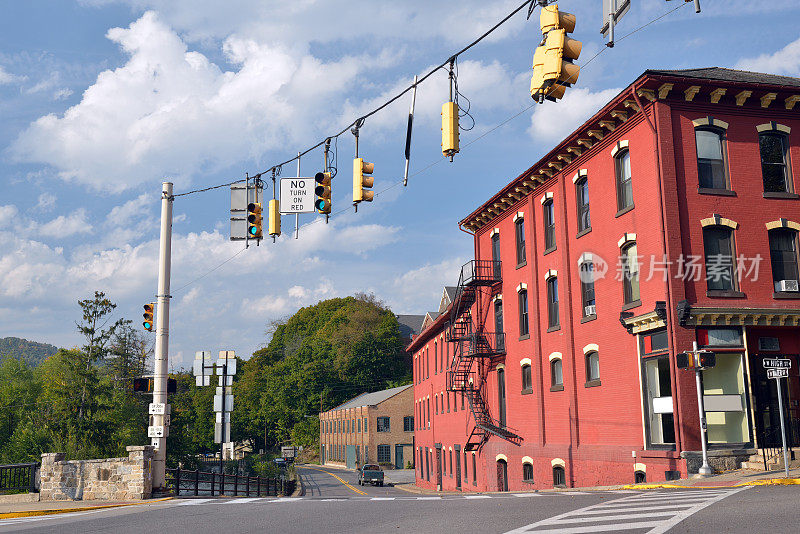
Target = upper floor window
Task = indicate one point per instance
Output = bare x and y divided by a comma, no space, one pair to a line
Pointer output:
556,374
718,245
523,312
582,199
383,424
519,226
549,225
630,273
586,275
592,366
496,254
435,357
527,381
711,158
783,256
774,162
552,302
408,423
624,187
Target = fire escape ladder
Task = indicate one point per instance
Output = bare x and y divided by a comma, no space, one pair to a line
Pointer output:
472,345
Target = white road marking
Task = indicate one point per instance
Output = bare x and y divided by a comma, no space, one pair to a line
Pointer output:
477,497
190,502
526,494
628,513
382,499
429,498
244,500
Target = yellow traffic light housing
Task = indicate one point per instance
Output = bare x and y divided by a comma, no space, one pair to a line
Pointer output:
323,192
449,129
553,67
361,180
254,220
274,217
149,316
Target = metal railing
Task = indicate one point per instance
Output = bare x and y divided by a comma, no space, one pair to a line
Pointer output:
768,453
18,477
184,482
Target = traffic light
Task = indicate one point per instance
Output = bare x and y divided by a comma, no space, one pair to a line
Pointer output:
684,360
557,68
142,385
149,314
274,217
323,192
360,181
707,359
449,129
172,385
254,220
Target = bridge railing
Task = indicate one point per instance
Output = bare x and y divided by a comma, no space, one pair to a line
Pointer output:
18,477
185,482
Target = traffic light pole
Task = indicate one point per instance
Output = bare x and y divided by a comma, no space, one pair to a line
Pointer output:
160,367
705,469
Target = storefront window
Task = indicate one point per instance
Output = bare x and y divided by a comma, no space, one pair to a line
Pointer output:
724,399
658,398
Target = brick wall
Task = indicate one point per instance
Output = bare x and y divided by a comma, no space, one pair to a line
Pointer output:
107,479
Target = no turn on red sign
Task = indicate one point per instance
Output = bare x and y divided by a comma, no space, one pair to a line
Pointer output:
297,195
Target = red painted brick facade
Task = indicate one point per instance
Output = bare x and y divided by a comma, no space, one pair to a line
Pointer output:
598,429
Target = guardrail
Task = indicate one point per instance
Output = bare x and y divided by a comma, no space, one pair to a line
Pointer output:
183,482
18,477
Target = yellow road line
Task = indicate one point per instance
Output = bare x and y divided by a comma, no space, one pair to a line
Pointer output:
337,478
31,513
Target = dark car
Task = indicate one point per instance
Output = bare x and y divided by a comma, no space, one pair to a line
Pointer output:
370,474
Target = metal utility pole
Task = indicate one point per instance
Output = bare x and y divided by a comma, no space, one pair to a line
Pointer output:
705,469
160,367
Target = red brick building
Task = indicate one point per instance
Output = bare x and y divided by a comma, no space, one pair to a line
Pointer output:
670,217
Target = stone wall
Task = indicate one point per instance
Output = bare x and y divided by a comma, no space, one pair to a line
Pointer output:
120,479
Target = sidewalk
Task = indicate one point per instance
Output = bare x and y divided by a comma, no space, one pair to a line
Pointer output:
11,510
739,477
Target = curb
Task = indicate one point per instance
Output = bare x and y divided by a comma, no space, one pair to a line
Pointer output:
762,482
54,511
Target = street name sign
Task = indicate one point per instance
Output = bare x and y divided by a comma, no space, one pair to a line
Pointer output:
158,408
777,363
778,373
297,195
155,432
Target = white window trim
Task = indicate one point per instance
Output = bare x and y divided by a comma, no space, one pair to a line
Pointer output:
525,361
547,196
501,457
716,220
783,223
591,347
558,461
773,127
519,215
640,467
527,460
522,286
582,173
555,356
625,239
621,145
586,257
710,121
551,273
494,231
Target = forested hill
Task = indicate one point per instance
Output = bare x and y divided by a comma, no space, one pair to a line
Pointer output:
31,352
320,357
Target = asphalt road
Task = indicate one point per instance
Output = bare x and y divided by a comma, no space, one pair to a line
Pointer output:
331,505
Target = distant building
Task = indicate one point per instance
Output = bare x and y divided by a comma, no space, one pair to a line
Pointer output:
374,427
670,217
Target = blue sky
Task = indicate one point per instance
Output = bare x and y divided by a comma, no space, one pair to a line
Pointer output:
100,100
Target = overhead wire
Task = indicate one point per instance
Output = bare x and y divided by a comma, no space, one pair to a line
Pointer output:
424,169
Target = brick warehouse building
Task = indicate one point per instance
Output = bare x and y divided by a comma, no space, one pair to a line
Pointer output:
375,427
639,234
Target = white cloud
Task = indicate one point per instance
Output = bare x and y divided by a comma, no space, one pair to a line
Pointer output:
420,289
65,226
551,122
785,61
62,94
46,201
8,78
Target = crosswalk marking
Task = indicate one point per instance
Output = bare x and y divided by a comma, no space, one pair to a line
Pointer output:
429,498
382,499
244,500
477,497
190,502
655,512
526,494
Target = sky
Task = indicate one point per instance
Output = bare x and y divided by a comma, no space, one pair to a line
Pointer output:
103,100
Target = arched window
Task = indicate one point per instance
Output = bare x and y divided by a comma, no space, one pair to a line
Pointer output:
774,150
624,186
582,201
552,302
711,166
559,477
630,273
556,375
527,382
718,245
586,276
639,477
592,366
527,472
523,312
435,357
784,260
549,225
519,226
496,254
501,396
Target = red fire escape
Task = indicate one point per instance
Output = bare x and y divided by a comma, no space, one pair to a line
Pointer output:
475,348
